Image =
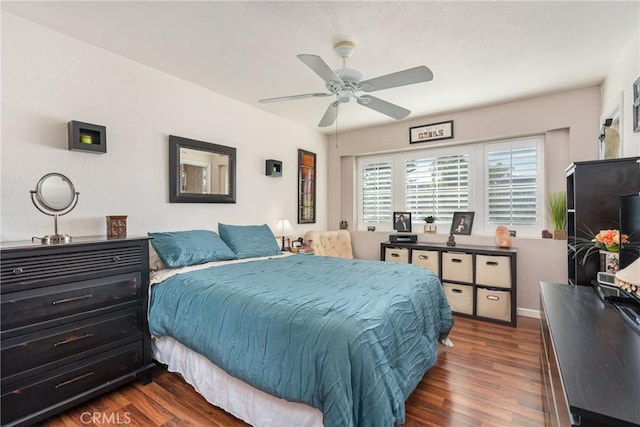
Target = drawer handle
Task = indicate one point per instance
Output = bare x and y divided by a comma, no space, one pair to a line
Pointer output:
17,270
456,260
395,255
115,258
492,263
62,301
493,297
73,380
456,291
423,256
73,339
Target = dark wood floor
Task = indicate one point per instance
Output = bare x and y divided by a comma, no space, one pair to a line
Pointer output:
491,377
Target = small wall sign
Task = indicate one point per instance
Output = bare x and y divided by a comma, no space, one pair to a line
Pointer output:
431,132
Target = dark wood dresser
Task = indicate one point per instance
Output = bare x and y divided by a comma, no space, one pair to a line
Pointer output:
74,323
590,360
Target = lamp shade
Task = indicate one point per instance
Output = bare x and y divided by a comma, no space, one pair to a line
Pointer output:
283,228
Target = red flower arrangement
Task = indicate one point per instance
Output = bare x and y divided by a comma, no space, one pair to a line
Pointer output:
610,240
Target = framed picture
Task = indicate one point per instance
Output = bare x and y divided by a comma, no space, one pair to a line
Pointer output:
636,105
306,187
402,221
431,132
462,223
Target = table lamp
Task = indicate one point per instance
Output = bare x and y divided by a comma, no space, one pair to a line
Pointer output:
283,229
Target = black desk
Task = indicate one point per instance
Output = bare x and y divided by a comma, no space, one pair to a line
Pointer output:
590,359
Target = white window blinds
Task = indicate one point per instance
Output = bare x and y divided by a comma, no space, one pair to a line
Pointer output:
501,181
375,182
512,179
437,186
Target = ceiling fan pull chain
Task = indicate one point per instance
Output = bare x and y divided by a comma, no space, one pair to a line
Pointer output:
336,136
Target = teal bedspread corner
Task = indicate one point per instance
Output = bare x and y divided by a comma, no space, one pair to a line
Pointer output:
350,337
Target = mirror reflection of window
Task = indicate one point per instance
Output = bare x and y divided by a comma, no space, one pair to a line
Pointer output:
203,172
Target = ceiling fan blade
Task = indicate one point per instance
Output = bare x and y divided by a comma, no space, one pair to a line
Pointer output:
320,67
401,78
384,107
292,97
329,115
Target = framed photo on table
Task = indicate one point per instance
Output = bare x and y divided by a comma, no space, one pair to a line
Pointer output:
402,222
462,223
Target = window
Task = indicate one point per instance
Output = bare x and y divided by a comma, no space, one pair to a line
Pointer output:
375,205
512,179
500,181
437,186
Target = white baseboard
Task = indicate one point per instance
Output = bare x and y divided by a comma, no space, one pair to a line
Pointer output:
527,312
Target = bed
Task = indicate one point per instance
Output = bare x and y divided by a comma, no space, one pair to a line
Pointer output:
291,340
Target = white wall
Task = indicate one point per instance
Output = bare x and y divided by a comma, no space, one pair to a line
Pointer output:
570,123
49,79
622,74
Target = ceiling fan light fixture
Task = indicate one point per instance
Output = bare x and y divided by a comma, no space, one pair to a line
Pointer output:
344,95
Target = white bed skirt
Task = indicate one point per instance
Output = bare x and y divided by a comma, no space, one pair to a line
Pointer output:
231,394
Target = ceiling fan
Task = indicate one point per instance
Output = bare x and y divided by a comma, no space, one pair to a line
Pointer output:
345,82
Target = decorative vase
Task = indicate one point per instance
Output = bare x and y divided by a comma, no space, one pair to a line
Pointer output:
430,228
560,234
609,262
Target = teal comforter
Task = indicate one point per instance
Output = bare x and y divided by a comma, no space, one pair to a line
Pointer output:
350,337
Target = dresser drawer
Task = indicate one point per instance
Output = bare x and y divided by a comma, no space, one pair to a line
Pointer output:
52,265
460,297
494,304
21,399
426,259
69,341
37,305
493,270
396,255
457,267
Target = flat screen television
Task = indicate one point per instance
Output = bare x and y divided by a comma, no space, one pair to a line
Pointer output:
630,225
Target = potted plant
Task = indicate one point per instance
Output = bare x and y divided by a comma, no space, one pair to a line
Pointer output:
557,204
430,226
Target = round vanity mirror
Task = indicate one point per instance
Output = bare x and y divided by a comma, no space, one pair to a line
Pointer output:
55,192
55,195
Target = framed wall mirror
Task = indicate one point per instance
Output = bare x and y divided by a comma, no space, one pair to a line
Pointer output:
306,187
201,172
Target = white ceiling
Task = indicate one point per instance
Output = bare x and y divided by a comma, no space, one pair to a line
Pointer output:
480,52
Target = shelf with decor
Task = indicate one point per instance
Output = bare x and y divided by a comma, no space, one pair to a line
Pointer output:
479,281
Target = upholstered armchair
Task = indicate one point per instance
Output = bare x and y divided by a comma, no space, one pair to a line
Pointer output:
330,243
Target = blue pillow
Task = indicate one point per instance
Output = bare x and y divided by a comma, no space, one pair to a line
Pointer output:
182,248
249,241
